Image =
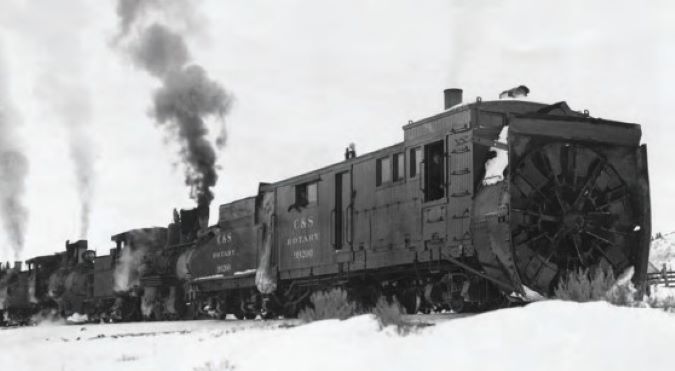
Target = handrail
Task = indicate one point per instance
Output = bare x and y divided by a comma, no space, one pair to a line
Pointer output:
332,227
350,210
422,174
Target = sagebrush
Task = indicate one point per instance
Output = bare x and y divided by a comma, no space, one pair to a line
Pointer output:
389,312
584,285
331,304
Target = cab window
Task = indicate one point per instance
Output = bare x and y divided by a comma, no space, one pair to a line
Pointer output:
399,167
305,194
383,171
415,161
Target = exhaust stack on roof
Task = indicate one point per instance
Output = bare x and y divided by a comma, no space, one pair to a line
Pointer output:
452,97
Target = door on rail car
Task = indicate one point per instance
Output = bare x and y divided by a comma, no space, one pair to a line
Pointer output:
434,189
341,214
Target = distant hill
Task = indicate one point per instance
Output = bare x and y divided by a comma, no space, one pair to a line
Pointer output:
663,251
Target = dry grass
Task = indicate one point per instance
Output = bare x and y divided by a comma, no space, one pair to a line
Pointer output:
224,365
332,304
389,312
583,285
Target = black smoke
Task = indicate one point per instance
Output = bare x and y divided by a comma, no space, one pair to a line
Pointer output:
186,97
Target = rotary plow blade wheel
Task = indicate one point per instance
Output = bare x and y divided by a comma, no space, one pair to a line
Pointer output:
570,210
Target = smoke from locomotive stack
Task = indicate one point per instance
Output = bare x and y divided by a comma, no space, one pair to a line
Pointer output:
13,172
70,101
187,95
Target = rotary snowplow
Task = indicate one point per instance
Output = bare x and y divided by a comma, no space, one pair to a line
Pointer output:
575,195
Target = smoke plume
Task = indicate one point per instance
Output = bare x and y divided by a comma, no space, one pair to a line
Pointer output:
129,268
187,95
13,172
69,100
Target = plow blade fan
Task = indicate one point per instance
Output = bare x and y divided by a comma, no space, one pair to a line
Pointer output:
576,199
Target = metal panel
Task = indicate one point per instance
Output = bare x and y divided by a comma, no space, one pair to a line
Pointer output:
461,179
434,221
233,249
103,276
578,129
436,126
298,231
642,255
231,252
363,180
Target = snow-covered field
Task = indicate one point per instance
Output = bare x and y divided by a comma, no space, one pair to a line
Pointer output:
662,251
549,335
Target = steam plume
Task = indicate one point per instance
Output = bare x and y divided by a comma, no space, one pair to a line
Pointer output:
187,95
70,101
13,172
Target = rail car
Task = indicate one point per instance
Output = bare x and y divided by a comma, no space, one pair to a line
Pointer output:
431,221
476,205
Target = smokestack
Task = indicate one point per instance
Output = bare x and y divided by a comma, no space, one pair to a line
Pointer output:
452,97
17,266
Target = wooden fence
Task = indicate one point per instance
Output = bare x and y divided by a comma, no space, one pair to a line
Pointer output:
661,278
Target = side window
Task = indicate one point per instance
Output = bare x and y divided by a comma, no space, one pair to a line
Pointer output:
305,194
415,161
311,192
301,195
383,171
399,166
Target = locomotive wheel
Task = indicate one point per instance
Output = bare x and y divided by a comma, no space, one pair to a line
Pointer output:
365,294
250,315
457,304
570,210
268,314
410,300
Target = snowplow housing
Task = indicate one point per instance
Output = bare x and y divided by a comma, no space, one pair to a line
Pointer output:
575,195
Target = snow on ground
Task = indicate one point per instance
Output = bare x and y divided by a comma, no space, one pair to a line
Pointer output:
661,294
549,335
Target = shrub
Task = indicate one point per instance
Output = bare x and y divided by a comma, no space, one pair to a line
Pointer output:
389,313
661,298
582,285
597,284
328,305
666,303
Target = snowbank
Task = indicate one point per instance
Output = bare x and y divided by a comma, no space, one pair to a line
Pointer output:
77,318
551,335
662,251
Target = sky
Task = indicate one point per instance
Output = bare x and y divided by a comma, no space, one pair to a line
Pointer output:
307,78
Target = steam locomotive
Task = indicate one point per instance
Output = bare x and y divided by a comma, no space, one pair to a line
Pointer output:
478,205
